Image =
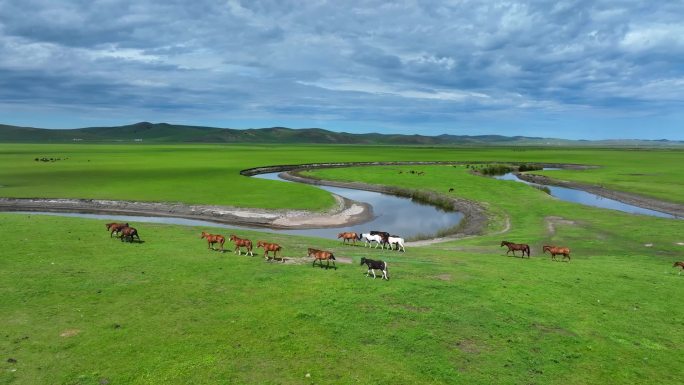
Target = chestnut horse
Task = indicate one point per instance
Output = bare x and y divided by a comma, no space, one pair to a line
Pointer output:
516,246
115,228
320,256
555,250
274,247
348,236
239,242
129,232
679,264
212,239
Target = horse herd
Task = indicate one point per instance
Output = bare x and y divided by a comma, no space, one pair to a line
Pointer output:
381,238
125,232
525,248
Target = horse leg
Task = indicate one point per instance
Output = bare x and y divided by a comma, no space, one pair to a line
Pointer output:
373,270
335,266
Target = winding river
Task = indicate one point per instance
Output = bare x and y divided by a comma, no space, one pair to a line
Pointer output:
588,199
391,213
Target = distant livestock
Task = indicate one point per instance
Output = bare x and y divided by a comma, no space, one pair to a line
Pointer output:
213,239
240,242
375,265
273,247
115,228
320,256
348,236
516,247
556,250
129,233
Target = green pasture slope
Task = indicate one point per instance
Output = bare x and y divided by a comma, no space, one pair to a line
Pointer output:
77,307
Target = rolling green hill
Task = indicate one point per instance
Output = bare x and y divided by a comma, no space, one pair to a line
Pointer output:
172,133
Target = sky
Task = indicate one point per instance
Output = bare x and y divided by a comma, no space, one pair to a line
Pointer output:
564,69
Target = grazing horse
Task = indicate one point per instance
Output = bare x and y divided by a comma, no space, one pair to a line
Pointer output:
516,246
129,232
383,234
212,239
679,264
375,265
274,247
368,240
115,228
554,250
395,240
348,236
239,242
320,256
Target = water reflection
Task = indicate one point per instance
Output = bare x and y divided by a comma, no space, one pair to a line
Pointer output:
393,214
589,199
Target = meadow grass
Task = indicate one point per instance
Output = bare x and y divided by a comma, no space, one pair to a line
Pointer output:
209,174
169,311
78,307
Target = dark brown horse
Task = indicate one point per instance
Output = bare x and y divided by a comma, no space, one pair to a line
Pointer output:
213,239
515,247
115,228
348,236
274,247
556,250
129,233
239,242
679,264
322,255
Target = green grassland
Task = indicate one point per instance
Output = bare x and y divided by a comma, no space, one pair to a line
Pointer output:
207,174
169,311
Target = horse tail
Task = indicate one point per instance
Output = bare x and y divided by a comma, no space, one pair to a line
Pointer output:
386,270
332,256
527,247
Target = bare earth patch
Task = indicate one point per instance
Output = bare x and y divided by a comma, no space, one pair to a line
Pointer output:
444,277
552,222
69,333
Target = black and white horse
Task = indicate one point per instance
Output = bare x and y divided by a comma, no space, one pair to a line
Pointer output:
375,265
398,241
368,240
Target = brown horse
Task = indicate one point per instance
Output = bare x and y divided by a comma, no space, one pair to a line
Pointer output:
348,236
679,264
239,242
274,247
515,247
212,239
320,256
129,232
555,250
115,228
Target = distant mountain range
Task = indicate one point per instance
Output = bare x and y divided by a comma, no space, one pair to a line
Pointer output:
171,133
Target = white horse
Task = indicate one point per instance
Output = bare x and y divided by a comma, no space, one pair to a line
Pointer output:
368,239
396,241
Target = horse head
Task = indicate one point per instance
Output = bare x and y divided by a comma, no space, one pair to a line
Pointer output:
340,235
204,235
363,261
503,243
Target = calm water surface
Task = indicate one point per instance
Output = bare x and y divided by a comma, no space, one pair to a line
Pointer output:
393,214
589,199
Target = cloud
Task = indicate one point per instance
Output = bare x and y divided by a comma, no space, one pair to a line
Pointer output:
388,64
